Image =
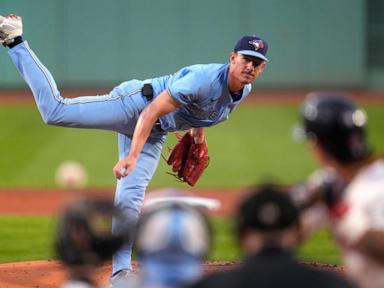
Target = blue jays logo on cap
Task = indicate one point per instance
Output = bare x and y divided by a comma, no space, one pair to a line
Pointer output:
253,46
258,44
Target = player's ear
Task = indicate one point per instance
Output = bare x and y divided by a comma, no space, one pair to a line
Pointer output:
262,66
232,57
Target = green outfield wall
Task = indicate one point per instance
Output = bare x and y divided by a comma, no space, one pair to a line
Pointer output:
95,43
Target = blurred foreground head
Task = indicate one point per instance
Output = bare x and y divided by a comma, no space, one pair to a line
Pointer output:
268,217
172,241
84,233
334,122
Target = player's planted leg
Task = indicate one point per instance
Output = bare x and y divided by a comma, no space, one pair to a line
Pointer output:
129,195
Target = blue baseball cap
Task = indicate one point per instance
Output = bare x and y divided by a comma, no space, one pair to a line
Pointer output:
252,46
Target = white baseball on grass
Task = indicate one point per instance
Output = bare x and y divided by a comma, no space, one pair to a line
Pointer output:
71,174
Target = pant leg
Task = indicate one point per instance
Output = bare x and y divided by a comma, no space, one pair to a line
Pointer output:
130,192
115,111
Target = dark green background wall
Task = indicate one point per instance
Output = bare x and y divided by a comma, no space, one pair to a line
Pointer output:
101,43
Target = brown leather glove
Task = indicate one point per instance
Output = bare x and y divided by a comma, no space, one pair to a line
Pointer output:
189,159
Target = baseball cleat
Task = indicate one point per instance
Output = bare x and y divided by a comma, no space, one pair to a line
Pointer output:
123,278
11,26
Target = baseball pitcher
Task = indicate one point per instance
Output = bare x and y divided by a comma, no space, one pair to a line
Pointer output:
143,112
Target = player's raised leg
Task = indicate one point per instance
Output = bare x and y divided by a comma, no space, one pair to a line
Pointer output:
115,111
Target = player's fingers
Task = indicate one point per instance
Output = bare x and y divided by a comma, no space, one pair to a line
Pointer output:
128,169
120,175
125,172
117,171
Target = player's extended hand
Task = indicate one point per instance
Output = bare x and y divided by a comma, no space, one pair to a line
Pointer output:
124,167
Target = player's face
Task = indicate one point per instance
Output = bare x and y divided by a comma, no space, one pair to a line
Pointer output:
246,69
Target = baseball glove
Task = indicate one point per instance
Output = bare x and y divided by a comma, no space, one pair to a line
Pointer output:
188,159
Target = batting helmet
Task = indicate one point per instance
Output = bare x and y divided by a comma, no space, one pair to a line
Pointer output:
335,122
84,233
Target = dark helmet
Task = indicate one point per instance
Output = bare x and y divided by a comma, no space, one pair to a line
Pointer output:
84,232
335,122
269,208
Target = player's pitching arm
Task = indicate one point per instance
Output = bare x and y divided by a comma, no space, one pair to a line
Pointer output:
161,105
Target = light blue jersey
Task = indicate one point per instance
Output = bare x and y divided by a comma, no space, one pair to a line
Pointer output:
203,92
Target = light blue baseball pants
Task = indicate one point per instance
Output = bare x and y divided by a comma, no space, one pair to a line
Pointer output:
117,111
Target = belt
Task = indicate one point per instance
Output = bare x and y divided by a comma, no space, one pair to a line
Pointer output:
147,91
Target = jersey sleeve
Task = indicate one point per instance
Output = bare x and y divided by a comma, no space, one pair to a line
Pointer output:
365,212
185,89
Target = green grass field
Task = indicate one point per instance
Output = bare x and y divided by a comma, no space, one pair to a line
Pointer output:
255,145
32,238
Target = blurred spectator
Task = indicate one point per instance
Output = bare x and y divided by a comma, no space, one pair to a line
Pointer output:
84,240
268,230
349,188
172,241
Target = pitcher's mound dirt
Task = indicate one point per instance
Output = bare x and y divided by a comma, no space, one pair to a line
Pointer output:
51,274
